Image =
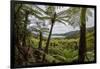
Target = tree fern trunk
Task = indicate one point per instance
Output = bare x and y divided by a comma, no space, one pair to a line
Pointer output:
24,37
38,58
25,29
40,43
82,43
48,41
17,37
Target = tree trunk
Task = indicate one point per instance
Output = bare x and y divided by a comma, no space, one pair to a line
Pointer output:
82,43
24,44
48,41
17,38
25,29
40,43
38,53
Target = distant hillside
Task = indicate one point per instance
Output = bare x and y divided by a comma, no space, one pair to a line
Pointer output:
73,34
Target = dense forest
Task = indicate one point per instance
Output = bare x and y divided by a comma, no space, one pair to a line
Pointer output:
34,43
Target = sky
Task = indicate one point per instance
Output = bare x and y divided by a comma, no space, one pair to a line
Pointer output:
61,28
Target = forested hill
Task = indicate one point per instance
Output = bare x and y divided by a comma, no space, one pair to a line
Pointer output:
74,33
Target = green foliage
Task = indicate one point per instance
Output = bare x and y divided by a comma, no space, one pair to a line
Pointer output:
66,50
63,50
60,50
90,56
65,55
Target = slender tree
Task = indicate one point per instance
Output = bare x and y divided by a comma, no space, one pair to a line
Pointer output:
82,43
20,26
40,28
53,16
40,43
78,16
48,40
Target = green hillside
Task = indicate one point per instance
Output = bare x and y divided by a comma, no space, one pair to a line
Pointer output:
73,34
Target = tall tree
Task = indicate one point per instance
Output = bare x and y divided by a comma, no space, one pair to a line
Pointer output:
78,16
21,20
40,27
53,16
48,40
82,44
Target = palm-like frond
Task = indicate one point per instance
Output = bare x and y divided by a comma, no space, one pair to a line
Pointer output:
45,17
18,7
71,10
49,13
65,16
64,12
40,9
31,9
74,13
39,26
50,10
60,21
